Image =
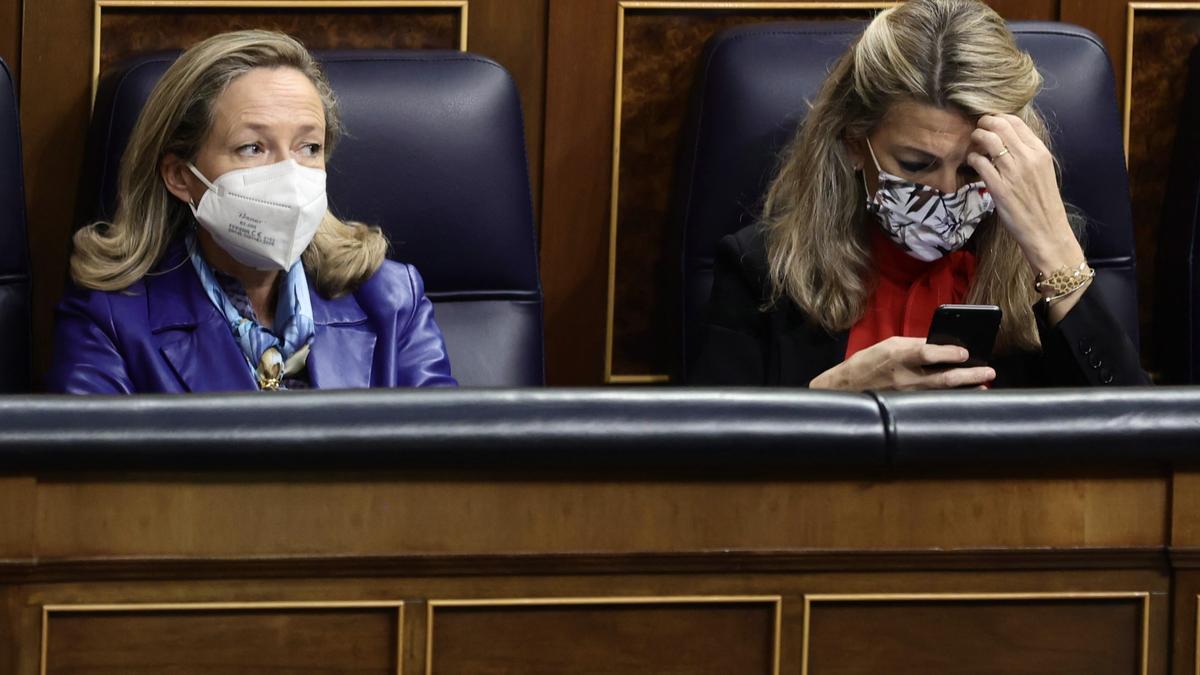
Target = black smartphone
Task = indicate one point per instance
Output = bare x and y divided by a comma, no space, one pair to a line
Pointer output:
972,327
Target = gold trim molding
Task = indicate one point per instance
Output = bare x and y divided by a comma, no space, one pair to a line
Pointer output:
1131,13
775,601
683,6
100,5
1143,596
173,607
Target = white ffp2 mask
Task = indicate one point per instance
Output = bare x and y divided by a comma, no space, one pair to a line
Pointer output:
264,216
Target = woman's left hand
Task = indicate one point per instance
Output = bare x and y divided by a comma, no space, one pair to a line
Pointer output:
1019,172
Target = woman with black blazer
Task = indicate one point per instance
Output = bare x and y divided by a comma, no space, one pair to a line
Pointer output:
922,176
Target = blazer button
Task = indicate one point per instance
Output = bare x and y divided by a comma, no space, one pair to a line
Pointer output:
1094,360
1106,376
1086,344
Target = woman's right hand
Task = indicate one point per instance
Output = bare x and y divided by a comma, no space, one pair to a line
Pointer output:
904,363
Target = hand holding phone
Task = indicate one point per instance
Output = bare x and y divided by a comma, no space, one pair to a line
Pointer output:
972,327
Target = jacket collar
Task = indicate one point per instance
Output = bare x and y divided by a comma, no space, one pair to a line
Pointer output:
195,340
174,297
342,310
192,336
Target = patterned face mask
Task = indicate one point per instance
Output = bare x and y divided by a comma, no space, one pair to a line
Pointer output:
924,221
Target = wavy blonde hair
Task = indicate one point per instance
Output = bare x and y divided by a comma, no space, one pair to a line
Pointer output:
953,54
111,256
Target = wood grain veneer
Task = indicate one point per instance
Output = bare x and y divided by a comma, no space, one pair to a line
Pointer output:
411,514
1082,636
10,35
607,636
575,201
186,641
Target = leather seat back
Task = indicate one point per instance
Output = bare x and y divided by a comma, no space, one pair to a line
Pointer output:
15,312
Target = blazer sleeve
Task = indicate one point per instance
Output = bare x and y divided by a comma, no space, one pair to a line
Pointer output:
1089,346
421,359
86,359
733,334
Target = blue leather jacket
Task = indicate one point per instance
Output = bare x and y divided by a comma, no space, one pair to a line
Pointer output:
163,335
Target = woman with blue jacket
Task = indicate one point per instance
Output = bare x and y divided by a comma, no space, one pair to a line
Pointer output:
223,269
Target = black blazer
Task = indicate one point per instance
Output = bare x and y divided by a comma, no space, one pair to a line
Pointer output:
741,344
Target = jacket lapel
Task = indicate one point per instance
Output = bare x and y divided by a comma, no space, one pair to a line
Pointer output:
193,337
343,347
207,359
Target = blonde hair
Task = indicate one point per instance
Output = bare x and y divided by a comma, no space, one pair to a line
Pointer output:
954,54
111,256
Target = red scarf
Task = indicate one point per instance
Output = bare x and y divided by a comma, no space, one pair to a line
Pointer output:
908,292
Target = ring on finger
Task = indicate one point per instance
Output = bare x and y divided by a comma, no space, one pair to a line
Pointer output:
1001,154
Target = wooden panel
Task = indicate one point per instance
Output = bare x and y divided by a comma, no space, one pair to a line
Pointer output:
1023,10
17,515
578,159
595,639
54,122
1185,509
10,35
1184,613
225,581
125,31
987,636
187,641
20,634
391,515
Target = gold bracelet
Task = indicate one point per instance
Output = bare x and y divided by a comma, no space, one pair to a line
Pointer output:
1052,299
1064,281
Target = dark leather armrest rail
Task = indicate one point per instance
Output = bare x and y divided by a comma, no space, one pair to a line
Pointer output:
404,428
1068,426
578,428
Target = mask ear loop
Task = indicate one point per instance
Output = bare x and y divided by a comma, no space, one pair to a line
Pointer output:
872,207
196,172
872,151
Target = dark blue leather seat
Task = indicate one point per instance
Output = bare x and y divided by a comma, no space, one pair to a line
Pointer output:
751,91
435,155
15,317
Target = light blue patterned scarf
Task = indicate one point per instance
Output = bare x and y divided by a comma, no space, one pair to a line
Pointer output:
269,358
